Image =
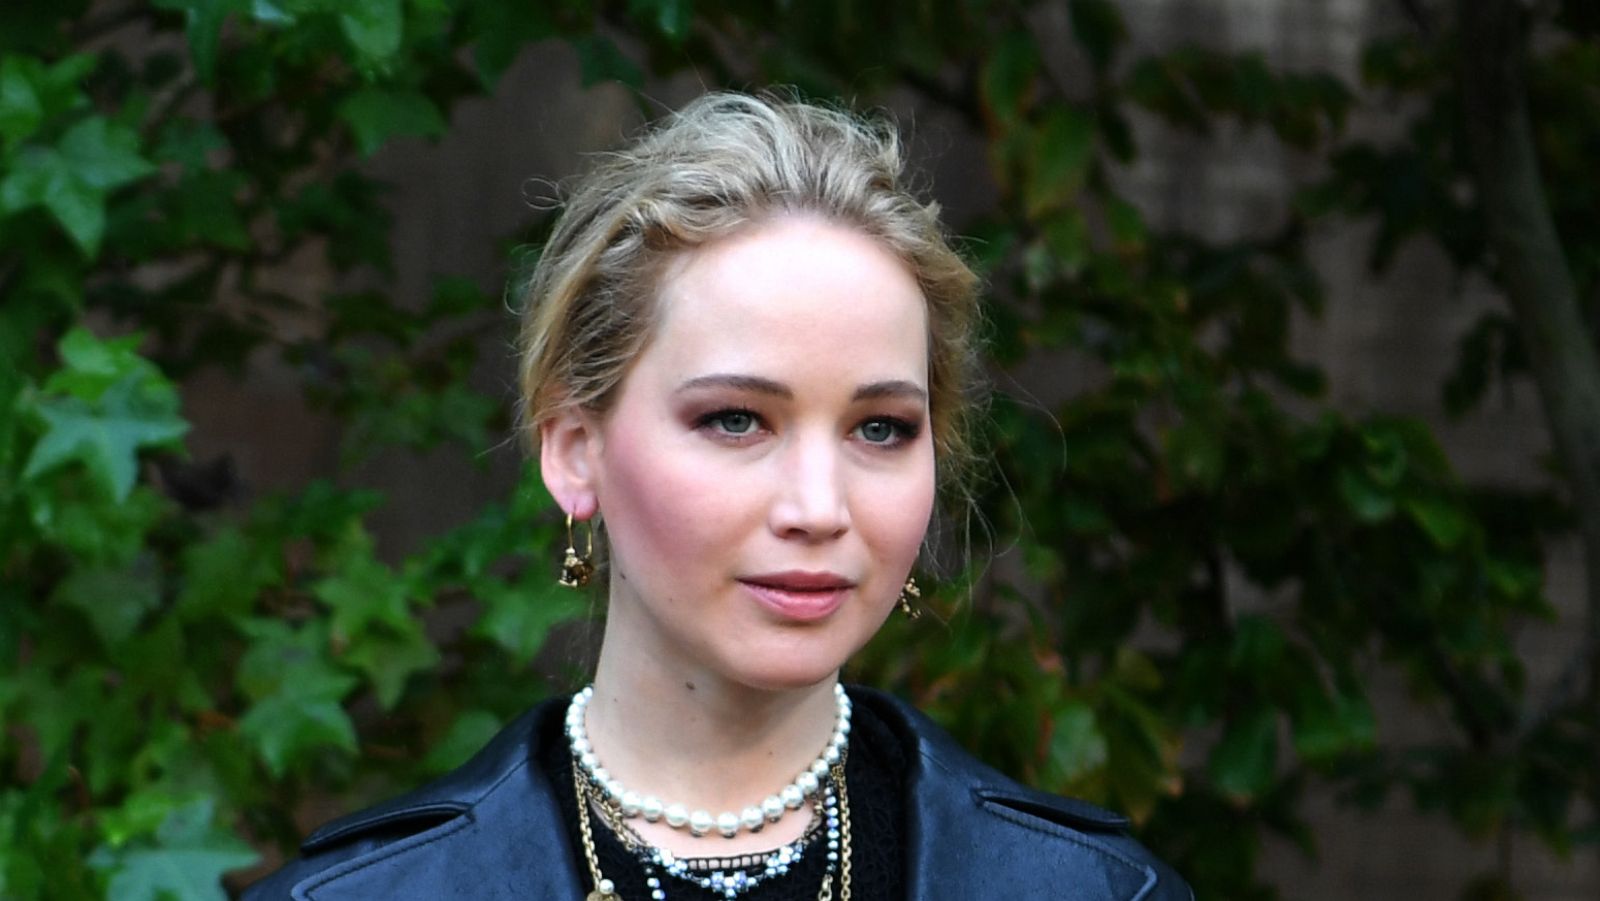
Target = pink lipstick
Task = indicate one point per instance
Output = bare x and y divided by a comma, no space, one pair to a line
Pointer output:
798,595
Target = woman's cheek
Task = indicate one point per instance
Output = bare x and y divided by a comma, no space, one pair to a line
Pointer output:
665,498
898,510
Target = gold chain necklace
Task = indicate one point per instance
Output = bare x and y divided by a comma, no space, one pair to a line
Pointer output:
605,890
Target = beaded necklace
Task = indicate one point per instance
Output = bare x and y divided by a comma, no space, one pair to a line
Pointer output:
823,780
699,822
729,878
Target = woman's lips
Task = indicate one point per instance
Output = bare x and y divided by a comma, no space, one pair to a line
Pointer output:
797,596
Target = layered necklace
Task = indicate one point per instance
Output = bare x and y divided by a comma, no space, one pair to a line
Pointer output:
822,784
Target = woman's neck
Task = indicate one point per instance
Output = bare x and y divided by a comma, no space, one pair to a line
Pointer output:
688,735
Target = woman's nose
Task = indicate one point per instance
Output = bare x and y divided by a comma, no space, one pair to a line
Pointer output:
810,501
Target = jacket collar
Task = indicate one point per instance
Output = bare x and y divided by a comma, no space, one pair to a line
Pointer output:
499,833
971,832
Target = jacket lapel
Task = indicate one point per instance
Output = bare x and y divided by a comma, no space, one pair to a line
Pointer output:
974,835
510,844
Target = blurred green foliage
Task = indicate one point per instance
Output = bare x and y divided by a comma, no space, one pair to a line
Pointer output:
1206,563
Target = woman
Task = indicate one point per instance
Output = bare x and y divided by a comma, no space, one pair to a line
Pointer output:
748,350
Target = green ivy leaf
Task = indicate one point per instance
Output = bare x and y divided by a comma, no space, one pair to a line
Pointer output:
1444,523
1366,500
456,296
186,862
373,27
1059,157
1077,748
348,206
203,20
105,436
12,623
1008,75
32,93
1140,750
271,12
91,365
389,659
503,30
55,705
1197,455
204,209
673,18
1244,763
375,115
364,593
1136,671
300,720
223,575
1327,725
1127,224
1157,84
1387,457
282,658
1258,649
93,528
599,59
36,27
189,143
147,660
72,179
519,618
140,814
41,177
114,600
1099,28
471,731
1066,245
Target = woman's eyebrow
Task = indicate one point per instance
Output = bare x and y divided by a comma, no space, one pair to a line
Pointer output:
753,383
890,388
871,391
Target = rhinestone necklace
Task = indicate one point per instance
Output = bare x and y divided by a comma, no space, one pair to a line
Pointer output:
836,810
699,822
641,847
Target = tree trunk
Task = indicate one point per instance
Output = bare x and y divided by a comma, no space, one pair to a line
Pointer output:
1532,269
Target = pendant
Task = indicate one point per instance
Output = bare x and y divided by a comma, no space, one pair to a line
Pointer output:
598,895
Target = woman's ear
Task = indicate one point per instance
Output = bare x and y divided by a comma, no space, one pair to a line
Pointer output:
569,453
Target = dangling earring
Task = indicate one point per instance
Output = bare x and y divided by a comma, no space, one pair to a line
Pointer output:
576,570
909,593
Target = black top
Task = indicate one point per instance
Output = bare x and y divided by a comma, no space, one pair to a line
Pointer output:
875,780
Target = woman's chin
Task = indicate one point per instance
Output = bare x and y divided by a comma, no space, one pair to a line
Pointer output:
786,674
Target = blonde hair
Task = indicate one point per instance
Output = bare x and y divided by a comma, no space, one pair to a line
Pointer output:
723,163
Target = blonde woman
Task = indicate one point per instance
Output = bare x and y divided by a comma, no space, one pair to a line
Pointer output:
748,351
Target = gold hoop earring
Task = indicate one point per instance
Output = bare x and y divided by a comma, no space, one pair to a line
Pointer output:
576,570
908,593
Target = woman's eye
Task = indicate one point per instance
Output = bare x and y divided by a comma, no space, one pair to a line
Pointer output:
886,431
731,422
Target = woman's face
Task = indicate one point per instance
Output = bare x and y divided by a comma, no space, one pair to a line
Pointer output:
766,474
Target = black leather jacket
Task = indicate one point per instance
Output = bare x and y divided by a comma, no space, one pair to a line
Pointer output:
492,830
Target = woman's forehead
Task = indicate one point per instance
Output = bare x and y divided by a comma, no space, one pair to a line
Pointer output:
793,290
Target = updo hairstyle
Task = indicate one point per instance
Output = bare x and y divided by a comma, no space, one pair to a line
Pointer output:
725,163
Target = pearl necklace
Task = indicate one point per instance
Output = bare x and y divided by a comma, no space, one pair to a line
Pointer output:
729,878
699,822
